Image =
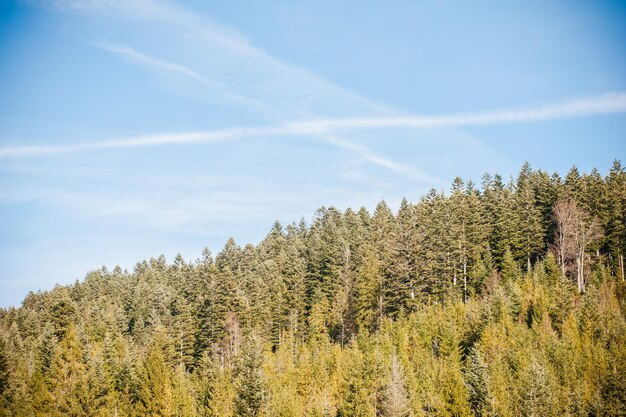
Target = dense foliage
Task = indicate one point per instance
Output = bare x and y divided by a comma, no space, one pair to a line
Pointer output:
507,300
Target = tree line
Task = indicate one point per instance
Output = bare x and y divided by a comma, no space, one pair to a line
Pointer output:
500,300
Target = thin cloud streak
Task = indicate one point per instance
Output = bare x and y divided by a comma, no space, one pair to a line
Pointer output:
158,64
325,128
397,167
614,102
130,142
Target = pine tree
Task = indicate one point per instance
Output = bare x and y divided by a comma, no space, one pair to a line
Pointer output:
537,399
251,389
396,402
357,395
435,249
4,372
572,186
498,209
403,288
468,230
62,312
43,401
68,375
528,217
510,269
294,272
382,230
204,378
546,189
615,223
477,381
155,396
326,248
184,332
183,394
368,289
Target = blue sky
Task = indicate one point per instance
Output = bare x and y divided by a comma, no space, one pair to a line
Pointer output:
134,128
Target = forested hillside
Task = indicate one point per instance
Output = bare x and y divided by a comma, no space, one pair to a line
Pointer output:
504,299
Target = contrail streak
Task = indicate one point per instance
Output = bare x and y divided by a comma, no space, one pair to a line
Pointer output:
584,107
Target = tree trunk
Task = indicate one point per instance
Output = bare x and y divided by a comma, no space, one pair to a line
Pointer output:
582,272
579,274
465,280
380,312
343,331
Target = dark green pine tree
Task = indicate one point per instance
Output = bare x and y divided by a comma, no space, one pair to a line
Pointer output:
229,257
468,231
615,224
225,304
594,200
183,332
62,311
251,386
546,190
510,269
205,380
294,273
436,248
572,186
326,249
529,219
355,235
341,312
403,286
272,253
382,230
498,209
208,310
4,373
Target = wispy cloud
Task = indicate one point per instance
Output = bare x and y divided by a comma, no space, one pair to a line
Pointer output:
129,142
297,102
223,55
614,102
290,129
225,61
158,64
326,129
373,158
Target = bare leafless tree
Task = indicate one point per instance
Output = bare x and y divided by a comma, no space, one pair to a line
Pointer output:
575,231
564,213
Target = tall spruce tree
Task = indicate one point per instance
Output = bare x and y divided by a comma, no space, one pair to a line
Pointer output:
403,287
528,217
155,393
251,384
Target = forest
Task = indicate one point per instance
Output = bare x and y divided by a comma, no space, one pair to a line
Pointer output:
505,298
